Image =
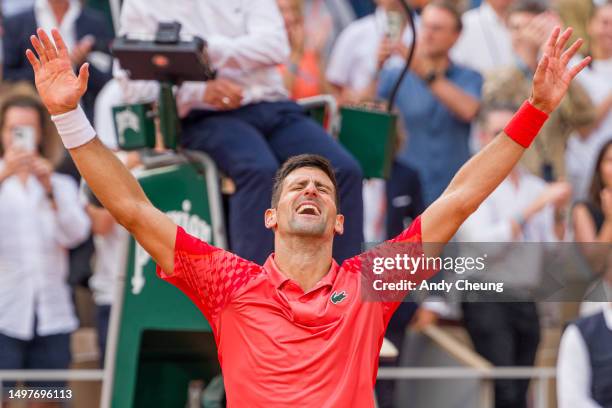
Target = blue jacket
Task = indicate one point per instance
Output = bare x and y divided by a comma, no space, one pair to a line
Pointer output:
17,32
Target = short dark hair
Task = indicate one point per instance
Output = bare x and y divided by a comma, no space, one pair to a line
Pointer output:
297,162
527,6
451,8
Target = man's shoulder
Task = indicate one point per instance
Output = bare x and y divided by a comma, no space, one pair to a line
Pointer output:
361,28
470,18
466,73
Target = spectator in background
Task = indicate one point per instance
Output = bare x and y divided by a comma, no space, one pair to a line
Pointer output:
596,80
12,7
243,119
584,366
529,22
40,217
85,31
576,14
327,19
303,74
485,41
507,333
446,94
592,225
352,71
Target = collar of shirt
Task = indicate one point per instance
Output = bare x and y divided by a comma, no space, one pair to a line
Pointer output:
282,282
487,12
46,20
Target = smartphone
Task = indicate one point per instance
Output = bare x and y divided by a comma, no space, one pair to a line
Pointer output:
24,138
395,24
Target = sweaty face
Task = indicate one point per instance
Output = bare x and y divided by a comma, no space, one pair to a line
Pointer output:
306,206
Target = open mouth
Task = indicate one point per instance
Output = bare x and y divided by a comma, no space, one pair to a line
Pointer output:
308,209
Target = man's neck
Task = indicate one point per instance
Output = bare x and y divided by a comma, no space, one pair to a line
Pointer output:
499,11
600,53
439,63
59,9
303,260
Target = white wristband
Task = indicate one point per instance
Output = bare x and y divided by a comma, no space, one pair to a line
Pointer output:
74,128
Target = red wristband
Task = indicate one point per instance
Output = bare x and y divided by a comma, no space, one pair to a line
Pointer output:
525,124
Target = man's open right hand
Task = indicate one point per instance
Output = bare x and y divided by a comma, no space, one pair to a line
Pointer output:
59,88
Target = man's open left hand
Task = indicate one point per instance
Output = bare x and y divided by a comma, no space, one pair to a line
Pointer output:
552,77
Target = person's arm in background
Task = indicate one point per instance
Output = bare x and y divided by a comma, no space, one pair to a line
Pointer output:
485,227
72,221
464,103
578,111
584,225
102,222
489,167
100,36
264,44
15,66
574,372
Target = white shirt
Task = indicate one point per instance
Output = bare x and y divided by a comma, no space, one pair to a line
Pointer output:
574,368
46,20
34,256
581,154
355,66
492,223
485,41
111,255
246,42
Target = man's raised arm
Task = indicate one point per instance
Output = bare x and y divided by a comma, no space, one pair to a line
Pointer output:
112,183
487,169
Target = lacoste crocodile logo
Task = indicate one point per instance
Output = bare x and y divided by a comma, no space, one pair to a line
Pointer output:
337,297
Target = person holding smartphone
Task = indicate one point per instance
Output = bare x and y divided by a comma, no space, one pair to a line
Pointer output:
40,218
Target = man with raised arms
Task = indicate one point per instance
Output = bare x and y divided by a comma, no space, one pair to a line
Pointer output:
295,331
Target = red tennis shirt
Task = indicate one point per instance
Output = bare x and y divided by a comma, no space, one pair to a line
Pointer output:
280,346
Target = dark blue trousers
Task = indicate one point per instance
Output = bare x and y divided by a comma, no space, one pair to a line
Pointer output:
249,144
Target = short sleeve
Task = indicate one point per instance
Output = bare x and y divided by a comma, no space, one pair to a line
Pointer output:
208,275
385,82
472,83
409,242
339,61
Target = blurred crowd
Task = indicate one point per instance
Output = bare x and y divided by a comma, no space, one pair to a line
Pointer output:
472,67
